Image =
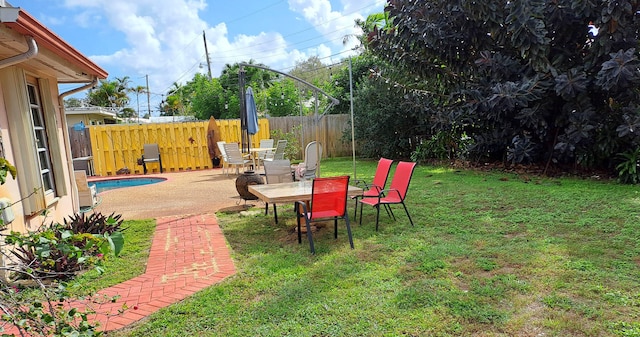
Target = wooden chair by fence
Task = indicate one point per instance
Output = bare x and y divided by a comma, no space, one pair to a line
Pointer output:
151,154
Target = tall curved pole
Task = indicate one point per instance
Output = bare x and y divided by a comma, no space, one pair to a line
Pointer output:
334,101
243,109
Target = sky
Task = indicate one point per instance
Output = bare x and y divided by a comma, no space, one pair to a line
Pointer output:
162,40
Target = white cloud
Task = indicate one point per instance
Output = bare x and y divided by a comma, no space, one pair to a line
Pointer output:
163,38
324,18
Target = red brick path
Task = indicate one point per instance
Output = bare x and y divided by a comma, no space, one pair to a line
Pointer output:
187,255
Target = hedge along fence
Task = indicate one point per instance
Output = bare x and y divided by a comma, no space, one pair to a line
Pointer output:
183,146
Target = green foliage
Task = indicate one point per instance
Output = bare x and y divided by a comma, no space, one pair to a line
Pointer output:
281,99
6,168
503,71
292,149
522,150
624,329
629,167
386,124
54,253
44,316
61,251
257,78
110,93
443,145
94,223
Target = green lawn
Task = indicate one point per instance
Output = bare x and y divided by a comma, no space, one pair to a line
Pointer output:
491,254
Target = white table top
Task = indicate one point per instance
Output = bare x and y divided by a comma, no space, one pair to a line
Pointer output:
261,149
290,192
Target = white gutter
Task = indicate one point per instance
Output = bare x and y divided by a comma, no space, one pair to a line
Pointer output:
67,143
30,53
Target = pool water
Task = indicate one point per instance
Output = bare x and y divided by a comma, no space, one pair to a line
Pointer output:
105,185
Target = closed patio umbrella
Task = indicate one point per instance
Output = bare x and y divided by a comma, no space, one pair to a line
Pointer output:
252,113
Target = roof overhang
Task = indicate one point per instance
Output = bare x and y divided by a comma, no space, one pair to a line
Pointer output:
92,111
55,56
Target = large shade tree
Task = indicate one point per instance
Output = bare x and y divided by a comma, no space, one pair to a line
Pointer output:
529,80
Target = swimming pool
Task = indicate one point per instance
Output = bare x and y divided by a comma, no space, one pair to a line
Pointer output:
105,185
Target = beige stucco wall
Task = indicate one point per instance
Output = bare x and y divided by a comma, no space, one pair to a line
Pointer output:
63,206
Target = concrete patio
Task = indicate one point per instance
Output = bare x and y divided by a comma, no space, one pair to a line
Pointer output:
183,193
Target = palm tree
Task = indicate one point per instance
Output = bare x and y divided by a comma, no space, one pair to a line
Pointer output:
138,90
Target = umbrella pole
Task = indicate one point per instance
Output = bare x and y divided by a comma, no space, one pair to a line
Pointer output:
243,111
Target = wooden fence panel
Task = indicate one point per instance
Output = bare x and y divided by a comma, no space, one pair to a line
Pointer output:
328,131
183,146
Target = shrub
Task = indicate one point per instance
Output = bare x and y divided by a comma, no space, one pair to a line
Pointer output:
292,149
95,223
443,145
628,168
60,251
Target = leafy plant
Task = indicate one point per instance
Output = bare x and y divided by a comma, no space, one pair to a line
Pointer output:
501,70
94,223
60,251
629,168
6,168
45,315
292,149
442,145
522,150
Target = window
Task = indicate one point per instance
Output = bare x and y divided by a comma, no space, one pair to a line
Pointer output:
41,139
35,138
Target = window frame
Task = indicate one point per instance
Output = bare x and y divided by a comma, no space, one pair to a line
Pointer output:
15,83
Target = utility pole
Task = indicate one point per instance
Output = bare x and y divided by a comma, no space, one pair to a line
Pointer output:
206,51
148,97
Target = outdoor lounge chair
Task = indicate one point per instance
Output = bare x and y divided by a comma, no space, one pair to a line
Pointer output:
312,155
235,157
278,154
87,195
396,194
151,153
377,185
224,158
277,171
328,202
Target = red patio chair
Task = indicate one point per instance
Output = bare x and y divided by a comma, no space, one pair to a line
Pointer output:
377,185
396,193
328,201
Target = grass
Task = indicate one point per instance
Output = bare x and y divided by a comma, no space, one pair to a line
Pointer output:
491,254
131,262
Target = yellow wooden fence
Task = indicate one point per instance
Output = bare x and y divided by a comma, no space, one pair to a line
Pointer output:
183,146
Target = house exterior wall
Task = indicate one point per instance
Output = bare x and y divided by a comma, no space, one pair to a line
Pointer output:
61,206
33,129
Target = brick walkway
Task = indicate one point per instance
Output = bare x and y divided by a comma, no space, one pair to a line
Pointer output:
187,255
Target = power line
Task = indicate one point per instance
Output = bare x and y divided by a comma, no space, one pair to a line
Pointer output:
185,73
254,12
296,33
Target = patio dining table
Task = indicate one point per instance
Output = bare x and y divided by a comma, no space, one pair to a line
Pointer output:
290,192
255,152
